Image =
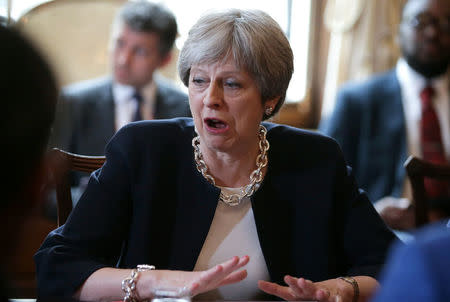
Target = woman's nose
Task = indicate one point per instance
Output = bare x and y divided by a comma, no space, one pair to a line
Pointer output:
214,96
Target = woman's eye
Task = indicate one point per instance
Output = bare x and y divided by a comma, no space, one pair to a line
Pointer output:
232,84
198,80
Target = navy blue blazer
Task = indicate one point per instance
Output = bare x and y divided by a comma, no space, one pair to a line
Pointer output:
149,204
368,122
85,117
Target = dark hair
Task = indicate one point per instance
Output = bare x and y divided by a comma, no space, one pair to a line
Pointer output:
144,16
29,93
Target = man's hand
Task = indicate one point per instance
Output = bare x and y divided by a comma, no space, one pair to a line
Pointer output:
397,213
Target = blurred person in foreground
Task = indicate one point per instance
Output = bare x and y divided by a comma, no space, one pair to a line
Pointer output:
420,270
202,198
29,93
90,112
405,111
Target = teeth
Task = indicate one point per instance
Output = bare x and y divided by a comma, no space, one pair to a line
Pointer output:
215,123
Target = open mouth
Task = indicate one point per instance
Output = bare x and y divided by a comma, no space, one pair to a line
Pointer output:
215,123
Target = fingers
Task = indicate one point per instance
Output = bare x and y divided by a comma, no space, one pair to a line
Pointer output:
309,289
221,274
296,288
234,277
306,286
277,290
243,260
232,265
306,289
235,263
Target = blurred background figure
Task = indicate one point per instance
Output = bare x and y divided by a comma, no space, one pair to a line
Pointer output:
90,112
379,122
419,271
29,94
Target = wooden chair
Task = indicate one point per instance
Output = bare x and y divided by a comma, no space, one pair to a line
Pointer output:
65,162
417,169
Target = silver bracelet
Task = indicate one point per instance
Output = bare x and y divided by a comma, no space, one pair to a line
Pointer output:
129,284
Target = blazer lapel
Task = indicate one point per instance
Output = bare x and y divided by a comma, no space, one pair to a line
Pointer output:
268,206
277,251
194,214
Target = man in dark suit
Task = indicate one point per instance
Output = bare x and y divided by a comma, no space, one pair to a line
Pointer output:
377,123
90,112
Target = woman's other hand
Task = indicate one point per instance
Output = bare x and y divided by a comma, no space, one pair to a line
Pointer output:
299,289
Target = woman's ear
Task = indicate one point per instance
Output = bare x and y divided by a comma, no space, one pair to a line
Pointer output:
272,103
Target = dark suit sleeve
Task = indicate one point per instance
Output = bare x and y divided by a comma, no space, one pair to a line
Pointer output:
95,232
344,123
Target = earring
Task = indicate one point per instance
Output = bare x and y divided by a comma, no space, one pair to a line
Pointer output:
268,110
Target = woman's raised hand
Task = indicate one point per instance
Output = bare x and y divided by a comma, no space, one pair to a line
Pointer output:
221,274
195,283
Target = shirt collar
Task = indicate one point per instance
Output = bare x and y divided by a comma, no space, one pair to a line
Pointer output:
123,93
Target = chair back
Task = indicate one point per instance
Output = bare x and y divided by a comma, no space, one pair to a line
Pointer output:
66,163
418,169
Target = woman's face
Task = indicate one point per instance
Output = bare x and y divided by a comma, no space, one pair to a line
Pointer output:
226,106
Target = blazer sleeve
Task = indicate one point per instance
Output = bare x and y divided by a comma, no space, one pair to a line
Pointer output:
330,227
364,236
89,240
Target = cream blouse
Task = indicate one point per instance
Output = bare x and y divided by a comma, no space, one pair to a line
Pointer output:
233,233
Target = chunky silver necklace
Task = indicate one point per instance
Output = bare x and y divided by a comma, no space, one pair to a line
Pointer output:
256,176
